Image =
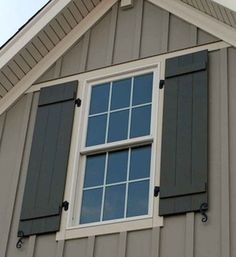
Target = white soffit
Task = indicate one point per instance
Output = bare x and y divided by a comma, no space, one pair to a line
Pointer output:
231,4
215,10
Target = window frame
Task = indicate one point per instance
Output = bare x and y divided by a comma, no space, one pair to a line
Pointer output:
75,179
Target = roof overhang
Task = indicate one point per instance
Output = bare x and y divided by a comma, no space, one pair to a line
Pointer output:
36,47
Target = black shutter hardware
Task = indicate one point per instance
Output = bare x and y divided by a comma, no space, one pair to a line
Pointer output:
161,83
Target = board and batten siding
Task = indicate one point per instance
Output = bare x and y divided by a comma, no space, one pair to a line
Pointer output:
125,35
119,37
182,235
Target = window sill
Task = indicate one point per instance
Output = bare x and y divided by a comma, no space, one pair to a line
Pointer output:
110,228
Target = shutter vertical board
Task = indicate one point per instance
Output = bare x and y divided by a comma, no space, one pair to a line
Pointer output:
183,181
48,162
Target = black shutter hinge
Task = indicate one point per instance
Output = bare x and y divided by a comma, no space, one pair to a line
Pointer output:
156,191
65,205
20,242
161,83
78,102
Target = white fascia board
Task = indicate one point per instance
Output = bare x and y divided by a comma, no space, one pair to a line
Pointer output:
199,19
31,30
55,53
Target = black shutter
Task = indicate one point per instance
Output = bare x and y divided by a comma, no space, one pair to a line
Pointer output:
47,168
183,184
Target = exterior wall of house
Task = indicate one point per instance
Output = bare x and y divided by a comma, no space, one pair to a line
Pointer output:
125,35
130,36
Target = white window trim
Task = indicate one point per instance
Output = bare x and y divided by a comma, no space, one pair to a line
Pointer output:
75,179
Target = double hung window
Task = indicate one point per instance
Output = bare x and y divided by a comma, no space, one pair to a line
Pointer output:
117,152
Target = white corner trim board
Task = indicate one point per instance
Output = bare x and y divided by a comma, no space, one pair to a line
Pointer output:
55,53
199,19
30,30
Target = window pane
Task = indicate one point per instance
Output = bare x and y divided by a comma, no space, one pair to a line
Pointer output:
138,198
96,130
117,166
142,92
94,172
99,98
118,126
114,202
140,121
91,206
140,162
120,94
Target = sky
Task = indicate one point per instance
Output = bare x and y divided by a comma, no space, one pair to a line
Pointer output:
14,13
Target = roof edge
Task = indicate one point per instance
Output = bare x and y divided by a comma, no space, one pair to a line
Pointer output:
199,19
17,42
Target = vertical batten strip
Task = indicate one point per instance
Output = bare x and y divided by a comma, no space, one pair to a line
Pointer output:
57,71
60,248
138,29
189,235
165,32
155,244
2,124
112,34
90,246
122,244
193,35
84,56
224,130
14,185
30,251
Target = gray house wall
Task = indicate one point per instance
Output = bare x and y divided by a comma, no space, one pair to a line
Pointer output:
119,37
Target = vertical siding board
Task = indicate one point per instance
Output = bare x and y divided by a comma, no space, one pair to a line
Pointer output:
232,145
30,251
106,245
123,48
138,29
172,237
90,246
46,246
71,60
154,38
10,161
60,248
139,243
12,251
112,31
122,244
204,38
85,48
75,248
180,34
207,235
189,235
155,244
99,39
224,128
